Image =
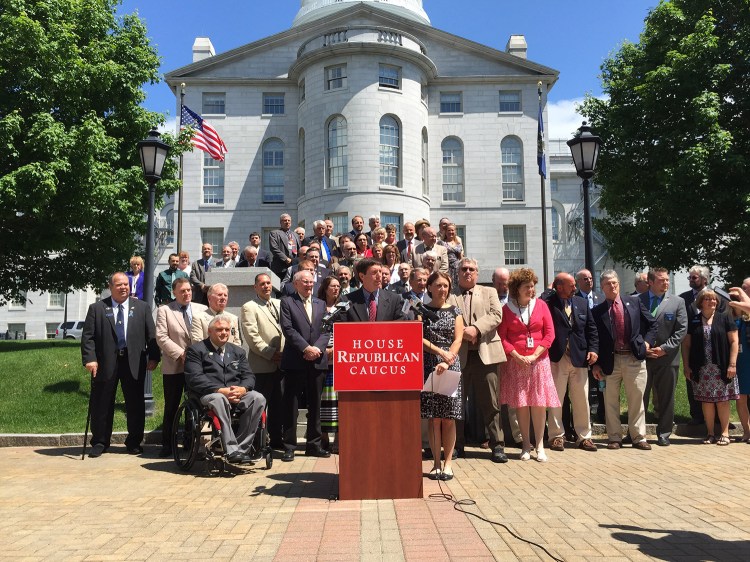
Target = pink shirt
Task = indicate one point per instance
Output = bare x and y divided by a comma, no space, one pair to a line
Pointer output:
513,331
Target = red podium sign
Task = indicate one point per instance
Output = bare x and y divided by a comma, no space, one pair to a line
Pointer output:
377,356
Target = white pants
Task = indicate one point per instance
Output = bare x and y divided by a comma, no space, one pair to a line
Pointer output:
576,381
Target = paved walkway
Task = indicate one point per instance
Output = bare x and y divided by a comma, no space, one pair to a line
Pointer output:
687,502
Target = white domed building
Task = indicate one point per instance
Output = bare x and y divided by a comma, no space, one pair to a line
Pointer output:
363,108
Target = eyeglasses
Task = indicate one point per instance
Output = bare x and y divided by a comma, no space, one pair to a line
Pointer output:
693,277
468,269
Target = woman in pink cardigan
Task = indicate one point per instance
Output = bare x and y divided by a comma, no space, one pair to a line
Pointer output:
526,382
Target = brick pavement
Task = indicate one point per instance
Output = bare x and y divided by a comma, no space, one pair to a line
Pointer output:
687,502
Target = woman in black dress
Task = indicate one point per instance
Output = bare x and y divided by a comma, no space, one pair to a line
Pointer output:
441,342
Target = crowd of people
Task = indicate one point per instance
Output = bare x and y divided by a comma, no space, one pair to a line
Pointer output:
548,362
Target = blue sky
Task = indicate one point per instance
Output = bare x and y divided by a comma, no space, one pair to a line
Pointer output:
572,36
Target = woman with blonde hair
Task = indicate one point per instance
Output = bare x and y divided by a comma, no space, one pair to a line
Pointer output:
135,277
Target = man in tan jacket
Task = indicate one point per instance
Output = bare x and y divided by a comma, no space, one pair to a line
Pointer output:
259,322
173,325
481,352
218,296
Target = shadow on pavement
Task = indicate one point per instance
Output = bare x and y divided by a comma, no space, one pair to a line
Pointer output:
679,546
313,485
69,452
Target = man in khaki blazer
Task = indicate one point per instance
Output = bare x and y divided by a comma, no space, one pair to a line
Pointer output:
218,296
480,354
261,329
429,242
173,325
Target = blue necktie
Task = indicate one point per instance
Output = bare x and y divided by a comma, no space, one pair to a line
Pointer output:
327,250
120,328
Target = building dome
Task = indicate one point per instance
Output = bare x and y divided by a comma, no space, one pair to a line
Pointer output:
314,9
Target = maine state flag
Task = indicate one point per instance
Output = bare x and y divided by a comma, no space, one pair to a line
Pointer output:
541,159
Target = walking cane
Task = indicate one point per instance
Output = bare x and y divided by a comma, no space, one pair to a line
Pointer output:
88,419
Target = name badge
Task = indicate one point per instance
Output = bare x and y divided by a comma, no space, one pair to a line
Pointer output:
529,343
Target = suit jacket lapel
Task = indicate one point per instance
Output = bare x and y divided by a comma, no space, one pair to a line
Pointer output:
112,317
606,320
301,307
274,322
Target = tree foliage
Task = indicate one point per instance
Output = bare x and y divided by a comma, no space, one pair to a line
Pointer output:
73,200
676,132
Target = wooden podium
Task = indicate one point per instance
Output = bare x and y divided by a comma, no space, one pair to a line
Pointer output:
380,442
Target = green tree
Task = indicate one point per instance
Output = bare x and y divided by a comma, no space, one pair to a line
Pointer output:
73,200
676,132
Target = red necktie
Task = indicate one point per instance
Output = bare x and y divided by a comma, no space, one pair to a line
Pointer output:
618,319
372,308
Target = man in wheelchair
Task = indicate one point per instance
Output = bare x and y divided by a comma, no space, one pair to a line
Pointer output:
217,373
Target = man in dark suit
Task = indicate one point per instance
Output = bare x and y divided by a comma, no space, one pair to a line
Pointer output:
263,256
118,343
283,245
288,288
198,274
663,359
369,302
251,258
304,351
408,243
319,271
327,246
402,285
626,332
585,284
575,347
217,372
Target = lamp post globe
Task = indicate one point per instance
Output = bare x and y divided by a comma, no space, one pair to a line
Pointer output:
584,148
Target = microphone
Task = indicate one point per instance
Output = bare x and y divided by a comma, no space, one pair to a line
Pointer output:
338,309
419,307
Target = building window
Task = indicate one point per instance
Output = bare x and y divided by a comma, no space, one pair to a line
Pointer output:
336,77
18,304
389,77
389,151
273,104
450,102
214,104
510,102
392,218
16,329
302,90
273,171
213,181
425,165
215,237
453,170
51,329
553,187
424,93
340,223
302,163
512,169
461,233
338,164
56,300
555,225
514,241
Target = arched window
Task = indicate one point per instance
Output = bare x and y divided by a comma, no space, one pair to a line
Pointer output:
453,170
338,165
273,171
555,225
302,170
512,169
425,166
390,148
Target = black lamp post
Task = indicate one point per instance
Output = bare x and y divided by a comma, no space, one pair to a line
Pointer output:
153,154
585,150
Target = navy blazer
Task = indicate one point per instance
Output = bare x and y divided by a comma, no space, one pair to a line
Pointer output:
579,332
300,332
389,306
138,284
205,372
642,329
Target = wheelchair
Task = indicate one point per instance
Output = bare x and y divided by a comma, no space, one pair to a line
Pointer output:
196,435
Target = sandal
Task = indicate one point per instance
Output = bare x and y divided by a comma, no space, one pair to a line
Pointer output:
435,474
723,440
709,440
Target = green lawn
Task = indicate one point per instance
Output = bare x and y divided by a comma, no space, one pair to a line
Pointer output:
44,389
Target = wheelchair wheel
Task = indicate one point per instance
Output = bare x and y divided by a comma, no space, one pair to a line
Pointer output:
269,459
185,436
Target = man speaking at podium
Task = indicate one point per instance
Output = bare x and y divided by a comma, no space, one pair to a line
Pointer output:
369,302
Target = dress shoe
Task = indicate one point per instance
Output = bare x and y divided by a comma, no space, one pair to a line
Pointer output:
498,455
237,457
614,445
557,444
447,474
587,445
317,452
165,452
435,474
458,453
288,456
663,441
137,450
97,450
642,445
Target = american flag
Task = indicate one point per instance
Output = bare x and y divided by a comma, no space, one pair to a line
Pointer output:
205,136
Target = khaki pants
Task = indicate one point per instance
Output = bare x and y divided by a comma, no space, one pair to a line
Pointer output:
576,381
632,373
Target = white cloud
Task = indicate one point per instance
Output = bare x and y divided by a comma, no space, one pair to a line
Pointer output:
563,118
169,126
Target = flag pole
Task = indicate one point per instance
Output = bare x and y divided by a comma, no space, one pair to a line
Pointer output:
180,192
542,176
